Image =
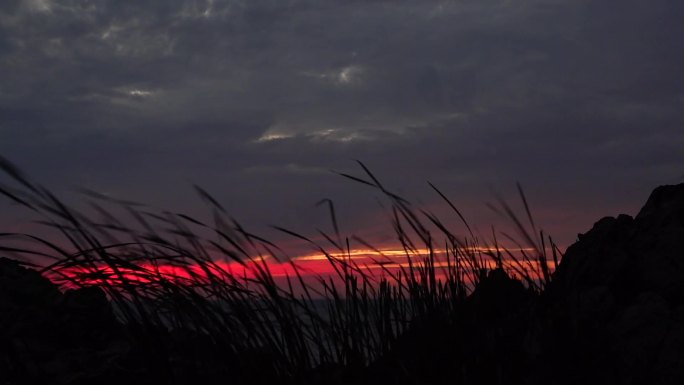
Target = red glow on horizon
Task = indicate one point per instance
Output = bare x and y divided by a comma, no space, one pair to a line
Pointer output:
372,263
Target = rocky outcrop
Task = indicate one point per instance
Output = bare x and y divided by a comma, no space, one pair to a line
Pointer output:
47,336
615,311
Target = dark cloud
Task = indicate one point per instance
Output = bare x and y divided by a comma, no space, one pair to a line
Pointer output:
580,100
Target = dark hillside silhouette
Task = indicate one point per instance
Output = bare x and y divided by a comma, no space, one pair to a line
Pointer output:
615,310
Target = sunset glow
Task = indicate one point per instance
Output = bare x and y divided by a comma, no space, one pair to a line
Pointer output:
374,263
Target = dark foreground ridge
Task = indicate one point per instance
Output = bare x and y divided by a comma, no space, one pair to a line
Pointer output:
612,314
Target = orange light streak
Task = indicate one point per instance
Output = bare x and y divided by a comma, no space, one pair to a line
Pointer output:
312,265
365,253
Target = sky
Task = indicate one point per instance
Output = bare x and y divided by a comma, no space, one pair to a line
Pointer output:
261,102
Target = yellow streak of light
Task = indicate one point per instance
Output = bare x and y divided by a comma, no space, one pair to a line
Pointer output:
488,264
366,253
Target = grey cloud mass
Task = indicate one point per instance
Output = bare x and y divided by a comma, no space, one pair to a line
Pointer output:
582,101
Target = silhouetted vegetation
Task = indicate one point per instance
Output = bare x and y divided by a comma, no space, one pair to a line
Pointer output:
162,297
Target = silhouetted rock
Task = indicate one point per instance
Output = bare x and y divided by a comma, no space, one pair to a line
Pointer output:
49,336
23,288
664,208
615,308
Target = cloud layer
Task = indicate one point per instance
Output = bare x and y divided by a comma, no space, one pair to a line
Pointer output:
582,101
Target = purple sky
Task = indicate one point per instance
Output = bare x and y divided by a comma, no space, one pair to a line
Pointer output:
582,101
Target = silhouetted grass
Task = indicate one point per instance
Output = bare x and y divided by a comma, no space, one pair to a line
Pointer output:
166,272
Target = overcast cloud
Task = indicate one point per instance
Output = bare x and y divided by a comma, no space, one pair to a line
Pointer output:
582,101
